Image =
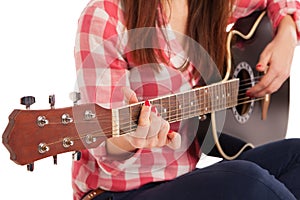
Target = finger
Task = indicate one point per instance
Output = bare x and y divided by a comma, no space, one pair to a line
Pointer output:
273,87
174,140
264,60
130,96
138,138
144,118
264,86
262,66
144,122
162,135
155,124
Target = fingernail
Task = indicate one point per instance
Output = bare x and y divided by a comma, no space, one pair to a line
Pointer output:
170,134
147,103
248,94
154,110
259,66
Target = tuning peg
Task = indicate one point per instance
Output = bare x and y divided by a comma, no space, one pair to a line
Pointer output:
55,159
30,167
52,100
27,101
76,155
75,97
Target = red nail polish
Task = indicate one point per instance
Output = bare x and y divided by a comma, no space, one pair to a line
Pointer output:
248,94
259,65
170,131
147,103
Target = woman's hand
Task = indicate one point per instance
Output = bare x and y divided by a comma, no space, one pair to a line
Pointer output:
276,59
152,131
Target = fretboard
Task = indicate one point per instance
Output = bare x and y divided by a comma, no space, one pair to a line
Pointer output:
180,106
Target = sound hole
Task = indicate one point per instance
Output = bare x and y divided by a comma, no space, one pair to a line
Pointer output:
243,101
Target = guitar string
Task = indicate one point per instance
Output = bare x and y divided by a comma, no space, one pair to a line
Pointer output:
183,108
212,103
133,124
250,79
107,132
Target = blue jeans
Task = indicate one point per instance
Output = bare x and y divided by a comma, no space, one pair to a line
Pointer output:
271,171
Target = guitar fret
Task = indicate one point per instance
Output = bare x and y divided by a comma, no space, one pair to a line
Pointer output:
184,105
173,109
217,97
228,97
180,105
165,108
206,100
223,96
201,101
220,99
186,109
231,95
211,95
194,103
124,115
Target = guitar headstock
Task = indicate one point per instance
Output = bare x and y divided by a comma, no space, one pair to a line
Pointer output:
32,135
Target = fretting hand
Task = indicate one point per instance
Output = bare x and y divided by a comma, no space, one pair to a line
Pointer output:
152,131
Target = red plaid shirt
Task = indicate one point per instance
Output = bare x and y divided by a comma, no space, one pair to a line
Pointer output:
103,70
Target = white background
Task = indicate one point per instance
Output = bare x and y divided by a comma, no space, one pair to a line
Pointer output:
36,51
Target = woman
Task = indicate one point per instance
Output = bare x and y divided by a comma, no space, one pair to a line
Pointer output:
130,51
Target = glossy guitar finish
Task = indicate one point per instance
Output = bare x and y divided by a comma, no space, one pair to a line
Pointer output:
245,121
29,139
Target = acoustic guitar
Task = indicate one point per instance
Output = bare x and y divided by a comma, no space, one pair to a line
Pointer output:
32,135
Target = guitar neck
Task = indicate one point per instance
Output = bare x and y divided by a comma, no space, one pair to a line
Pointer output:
180,106
87,125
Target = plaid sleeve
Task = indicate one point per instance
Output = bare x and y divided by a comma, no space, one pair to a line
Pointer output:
101,67
277,9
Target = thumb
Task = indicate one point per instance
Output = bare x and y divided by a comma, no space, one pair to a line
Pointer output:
130,96
174,140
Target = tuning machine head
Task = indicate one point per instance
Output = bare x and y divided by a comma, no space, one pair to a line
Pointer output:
27,101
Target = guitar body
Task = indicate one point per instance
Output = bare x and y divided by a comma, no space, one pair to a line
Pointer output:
245,121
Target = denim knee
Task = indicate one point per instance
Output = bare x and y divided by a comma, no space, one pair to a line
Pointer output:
256,181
